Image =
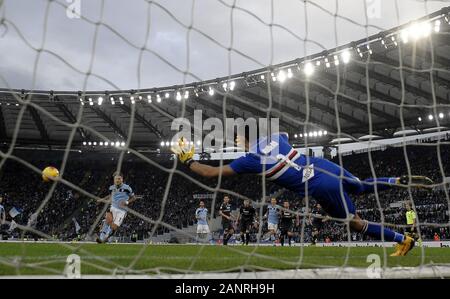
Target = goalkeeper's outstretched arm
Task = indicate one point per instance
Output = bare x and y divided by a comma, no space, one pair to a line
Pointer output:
186,157
211,171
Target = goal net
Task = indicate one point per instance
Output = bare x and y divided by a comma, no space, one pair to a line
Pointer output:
101,88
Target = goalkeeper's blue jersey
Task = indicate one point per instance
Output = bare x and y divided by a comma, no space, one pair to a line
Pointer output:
120,194
279,162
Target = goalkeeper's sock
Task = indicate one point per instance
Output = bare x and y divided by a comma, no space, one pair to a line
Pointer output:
376,231
247,238
368,186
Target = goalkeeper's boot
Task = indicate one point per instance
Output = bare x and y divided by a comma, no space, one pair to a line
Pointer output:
398,250
417,181
403,248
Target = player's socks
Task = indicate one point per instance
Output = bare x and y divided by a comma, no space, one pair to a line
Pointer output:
226,239
247,238
289,240
105,235
376,231
282,240
229,237
381,183
243,238
105,232
105,227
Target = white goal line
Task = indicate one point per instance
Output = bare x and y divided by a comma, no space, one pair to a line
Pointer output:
428,271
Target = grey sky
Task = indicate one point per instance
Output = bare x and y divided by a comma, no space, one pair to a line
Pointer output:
117,61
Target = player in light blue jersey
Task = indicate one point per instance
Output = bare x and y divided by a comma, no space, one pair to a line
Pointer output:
201,214
120,196
272,215
332,185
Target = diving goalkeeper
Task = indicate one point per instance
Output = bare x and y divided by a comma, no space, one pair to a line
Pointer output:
279,162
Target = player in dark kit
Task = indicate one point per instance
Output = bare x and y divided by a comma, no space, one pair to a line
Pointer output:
246,220
287,219
227,219
317,220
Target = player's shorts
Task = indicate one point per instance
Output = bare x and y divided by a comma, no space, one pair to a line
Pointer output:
317,223
202,229
118,215
245,225
272,226
332,192
286,228
227,225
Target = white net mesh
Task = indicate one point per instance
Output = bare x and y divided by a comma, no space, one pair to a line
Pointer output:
372,99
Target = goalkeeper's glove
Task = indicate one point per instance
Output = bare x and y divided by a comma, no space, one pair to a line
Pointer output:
184,154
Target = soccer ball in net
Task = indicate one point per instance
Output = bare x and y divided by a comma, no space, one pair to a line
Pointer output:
50,173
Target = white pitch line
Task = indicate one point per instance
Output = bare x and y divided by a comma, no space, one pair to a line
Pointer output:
442,271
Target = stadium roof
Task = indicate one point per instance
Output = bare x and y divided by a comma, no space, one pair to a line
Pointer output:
394,81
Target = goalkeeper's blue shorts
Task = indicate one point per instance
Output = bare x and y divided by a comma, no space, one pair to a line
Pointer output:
332,186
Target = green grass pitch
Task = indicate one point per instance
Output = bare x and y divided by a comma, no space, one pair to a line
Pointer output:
50,258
